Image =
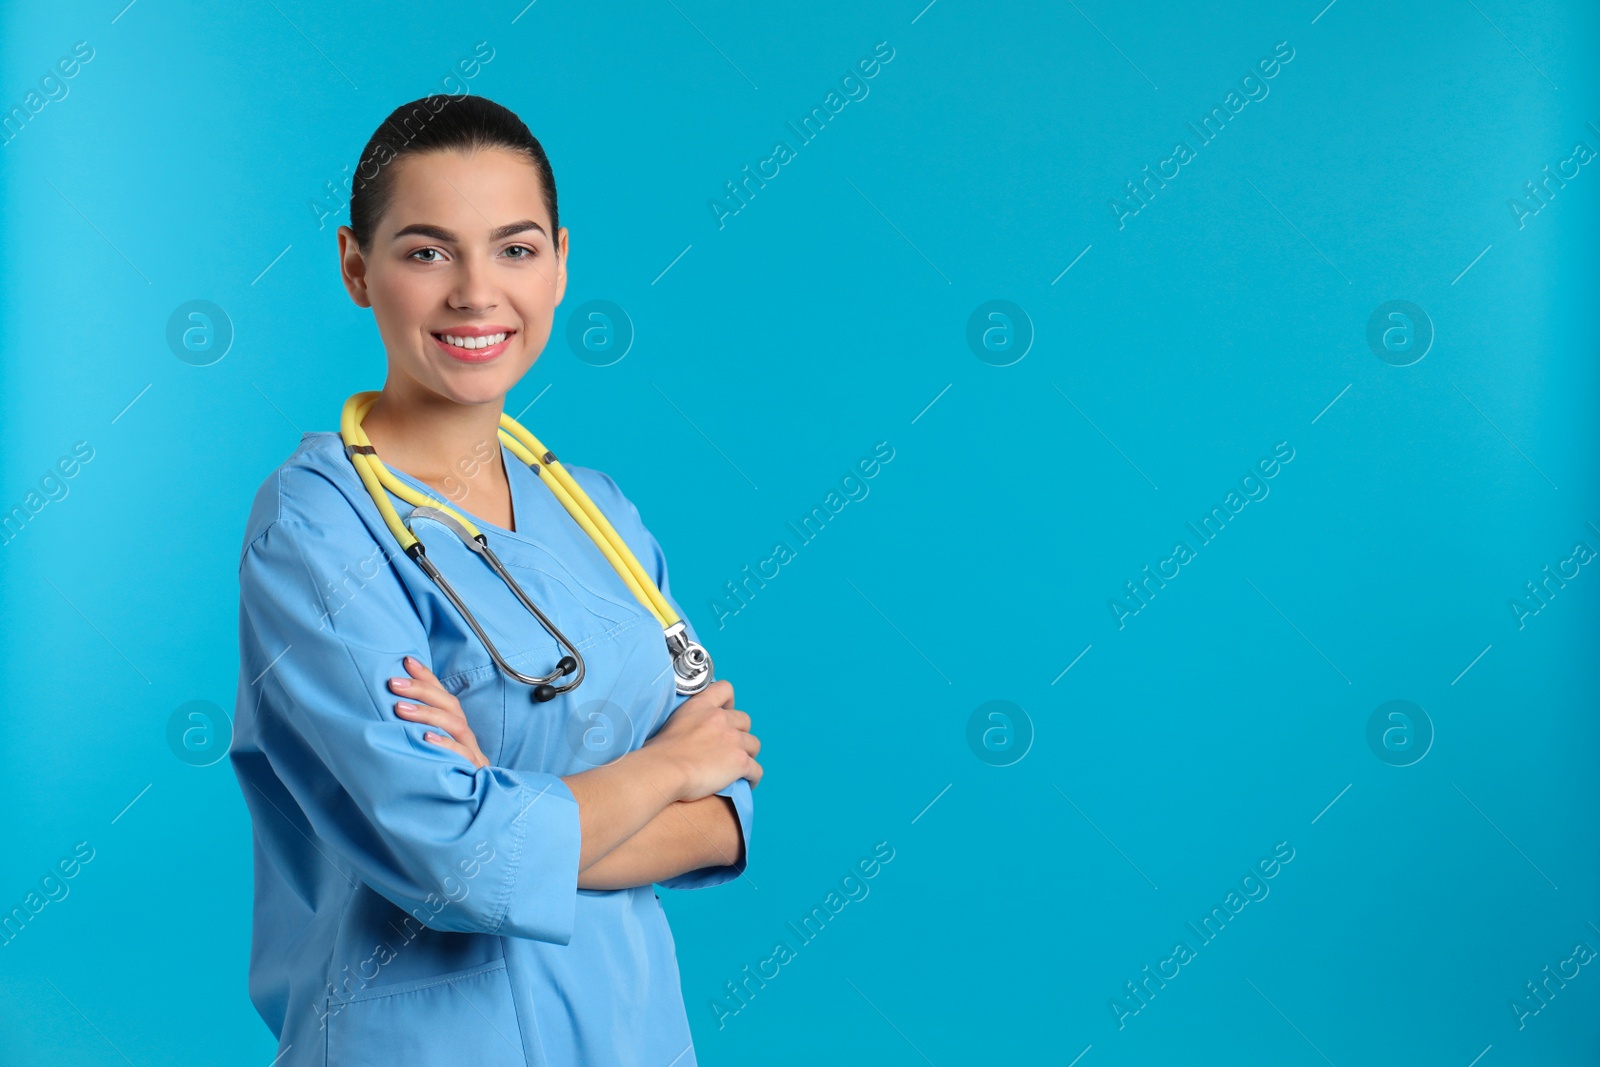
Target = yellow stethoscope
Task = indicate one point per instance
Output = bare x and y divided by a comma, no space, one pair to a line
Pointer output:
691,665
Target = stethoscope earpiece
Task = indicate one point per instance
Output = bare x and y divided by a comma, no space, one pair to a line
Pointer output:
546,691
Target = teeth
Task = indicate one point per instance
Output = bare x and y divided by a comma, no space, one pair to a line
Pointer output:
473,342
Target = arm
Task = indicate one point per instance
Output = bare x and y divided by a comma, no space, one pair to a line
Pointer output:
621,799
686,836
327,753
697,866
645,817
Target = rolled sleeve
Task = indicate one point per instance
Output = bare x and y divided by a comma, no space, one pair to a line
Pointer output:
704,877
405,816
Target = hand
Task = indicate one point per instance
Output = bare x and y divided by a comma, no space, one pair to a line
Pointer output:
428,701
710,740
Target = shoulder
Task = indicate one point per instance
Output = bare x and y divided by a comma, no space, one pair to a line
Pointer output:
601,487
609,498
624,516
616,506
316,486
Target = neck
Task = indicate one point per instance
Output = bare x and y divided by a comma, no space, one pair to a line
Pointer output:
431,437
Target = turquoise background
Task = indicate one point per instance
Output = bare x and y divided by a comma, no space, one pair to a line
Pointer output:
187,161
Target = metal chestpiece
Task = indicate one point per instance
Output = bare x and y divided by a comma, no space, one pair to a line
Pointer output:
691,663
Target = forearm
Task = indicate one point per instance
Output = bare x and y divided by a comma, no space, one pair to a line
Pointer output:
618,800
685,836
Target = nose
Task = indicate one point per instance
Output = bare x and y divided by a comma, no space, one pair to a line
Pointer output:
474,288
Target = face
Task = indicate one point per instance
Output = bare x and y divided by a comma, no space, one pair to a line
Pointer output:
464,252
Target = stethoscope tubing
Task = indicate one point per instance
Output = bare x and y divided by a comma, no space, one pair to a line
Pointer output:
480,545
692,666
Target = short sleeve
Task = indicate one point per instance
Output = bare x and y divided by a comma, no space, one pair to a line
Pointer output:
400,813
654,560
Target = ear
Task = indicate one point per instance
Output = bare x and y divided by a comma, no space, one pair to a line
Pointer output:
353,267
561,264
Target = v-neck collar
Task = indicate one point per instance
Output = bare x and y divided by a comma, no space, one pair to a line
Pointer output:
523,511
520,514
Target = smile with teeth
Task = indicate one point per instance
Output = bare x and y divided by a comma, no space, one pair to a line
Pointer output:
472,342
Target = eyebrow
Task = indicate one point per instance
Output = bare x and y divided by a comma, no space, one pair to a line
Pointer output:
439,233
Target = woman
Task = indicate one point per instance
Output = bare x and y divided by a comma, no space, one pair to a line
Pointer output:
447,871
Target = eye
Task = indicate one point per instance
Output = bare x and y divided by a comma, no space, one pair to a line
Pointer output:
526,248
419,252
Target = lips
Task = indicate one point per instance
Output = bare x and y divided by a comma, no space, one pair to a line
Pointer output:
463,343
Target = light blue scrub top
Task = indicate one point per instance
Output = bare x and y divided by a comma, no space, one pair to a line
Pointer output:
410,909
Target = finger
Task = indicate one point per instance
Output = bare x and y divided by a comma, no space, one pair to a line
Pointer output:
720,693
424,691
740,719
752,744
424,676
429,716
454,746
754,773
418,669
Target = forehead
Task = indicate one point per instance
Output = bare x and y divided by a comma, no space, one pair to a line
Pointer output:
466,192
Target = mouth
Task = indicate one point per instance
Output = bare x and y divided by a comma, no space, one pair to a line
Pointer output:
473,346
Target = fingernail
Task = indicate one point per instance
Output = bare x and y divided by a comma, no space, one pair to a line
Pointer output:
403,706
399,683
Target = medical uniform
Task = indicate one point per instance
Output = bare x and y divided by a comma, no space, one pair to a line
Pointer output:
411,910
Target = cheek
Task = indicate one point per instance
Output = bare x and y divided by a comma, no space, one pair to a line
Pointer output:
536,333
543,289
403,302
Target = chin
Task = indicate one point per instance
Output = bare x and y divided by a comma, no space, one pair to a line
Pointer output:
485,386
484,391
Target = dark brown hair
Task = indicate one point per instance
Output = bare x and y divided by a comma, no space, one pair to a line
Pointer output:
435,124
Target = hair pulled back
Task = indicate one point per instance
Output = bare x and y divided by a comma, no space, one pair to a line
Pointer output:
435,124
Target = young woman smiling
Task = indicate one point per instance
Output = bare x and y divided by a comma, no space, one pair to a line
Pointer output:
447,871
